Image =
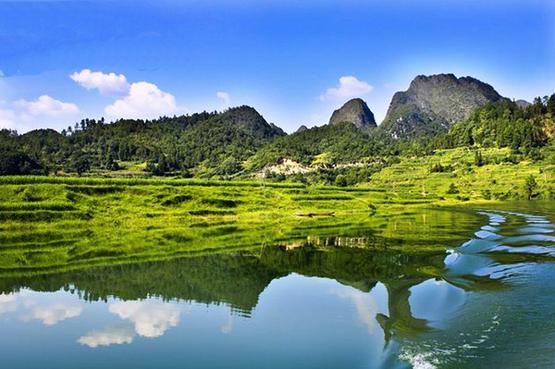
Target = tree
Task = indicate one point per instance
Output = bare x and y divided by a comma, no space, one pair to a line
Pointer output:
229,166
452,189
79,163
13,161
341,180
551,105
530,186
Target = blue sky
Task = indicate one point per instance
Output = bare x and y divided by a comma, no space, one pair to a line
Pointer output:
294,61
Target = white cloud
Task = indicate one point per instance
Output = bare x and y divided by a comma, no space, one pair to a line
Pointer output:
365,304
227,327
348,87
106,83
145,318
46,105
144,100
108,336
8,303
7,119
224,97
53,314
1,73
28,308
151,319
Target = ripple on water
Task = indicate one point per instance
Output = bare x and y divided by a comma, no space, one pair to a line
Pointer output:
417,360
535,229
529,238
494,218
487,235
510,233
436,352
489,228
532,249
475,246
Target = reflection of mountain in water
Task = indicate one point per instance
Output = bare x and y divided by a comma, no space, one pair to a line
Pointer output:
237,279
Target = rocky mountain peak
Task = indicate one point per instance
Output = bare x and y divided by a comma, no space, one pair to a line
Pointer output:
302,128
433,103
354,111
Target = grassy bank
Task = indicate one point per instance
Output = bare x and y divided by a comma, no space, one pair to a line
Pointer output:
50,224
456,175
61,223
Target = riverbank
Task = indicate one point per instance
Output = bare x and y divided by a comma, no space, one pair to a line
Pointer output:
50,224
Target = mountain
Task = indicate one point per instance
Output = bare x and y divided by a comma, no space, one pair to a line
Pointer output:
324,146
354,111
302,128
248,119
434,103
523,104
200,144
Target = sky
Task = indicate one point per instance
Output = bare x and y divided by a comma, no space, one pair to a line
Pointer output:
294,61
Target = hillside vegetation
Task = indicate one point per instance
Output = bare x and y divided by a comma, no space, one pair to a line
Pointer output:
240,144
56,223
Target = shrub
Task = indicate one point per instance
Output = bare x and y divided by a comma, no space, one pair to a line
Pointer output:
438,168
452,189
341,180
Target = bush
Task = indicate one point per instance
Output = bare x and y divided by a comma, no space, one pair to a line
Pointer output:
452,189
341,180
438,168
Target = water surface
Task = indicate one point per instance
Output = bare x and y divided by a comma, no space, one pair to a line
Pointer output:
322,299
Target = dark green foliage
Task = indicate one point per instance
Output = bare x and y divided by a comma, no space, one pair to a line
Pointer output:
505,124
342,142
79,163
341,180
211,143
486,194
13,161
452,189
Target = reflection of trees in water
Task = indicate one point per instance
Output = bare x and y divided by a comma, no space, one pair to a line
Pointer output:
237,279
400,321
362,269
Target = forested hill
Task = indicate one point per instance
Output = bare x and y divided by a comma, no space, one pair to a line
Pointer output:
499,124
239,142
211,143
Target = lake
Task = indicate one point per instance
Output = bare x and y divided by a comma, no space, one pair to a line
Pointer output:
473,289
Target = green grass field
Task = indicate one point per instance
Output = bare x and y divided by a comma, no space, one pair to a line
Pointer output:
50,224
495,180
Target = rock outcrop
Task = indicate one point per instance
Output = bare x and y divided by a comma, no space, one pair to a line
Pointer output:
354,111
433,103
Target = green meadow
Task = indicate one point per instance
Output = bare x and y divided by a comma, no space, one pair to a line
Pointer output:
50,224
455,176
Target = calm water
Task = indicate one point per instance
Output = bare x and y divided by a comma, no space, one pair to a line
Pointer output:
326,302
